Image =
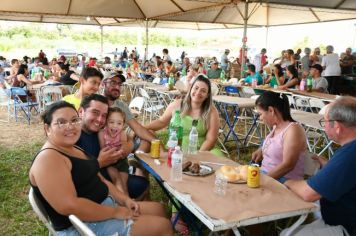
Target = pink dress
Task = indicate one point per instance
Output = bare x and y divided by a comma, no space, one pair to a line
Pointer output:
111,141
272,151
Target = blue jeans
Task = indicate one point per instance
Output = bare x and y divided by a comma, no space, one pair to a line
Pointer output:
103,228
281,180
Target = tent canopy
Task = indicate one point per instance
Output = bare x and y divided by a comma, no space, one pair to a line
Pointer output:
187,14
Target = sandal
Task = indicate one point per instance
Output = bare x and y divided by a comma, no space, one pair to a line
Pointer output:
180,227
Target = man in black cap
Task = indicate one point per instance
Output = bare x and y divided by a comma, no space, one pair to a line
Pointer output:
320,84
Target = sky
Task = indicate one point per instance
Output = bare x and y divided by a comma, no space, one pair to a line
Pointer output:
340,34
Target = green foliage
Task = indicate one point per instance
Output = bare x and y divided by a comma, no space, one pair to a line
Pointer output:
33,37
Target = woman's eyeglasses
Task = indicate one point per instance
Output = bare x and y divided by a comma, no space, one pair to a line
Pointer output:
66,123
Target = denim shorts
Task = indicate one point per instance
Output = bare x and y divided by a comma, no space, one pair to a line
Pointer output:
104,228
281,180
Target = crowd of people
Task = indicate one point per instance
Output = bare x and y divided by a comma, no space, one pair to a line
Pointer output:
87,149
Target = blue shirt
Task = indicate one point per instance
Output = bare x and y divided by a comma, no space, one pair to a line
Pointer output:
336,183
257,76
89,142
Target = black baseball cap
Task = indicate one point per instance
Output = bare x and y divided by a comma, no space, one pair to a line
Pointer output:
118,75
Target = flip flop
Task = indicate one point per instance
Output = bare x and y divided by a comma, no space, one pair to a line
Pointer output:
181,227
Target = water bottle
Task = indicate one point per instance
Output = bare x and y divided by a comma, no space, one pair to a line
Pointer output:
177,159
302,85
193,139
220,184
171,144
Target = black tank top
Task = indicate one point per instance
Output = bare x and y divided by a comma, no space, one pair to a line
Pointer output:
87,184
67,80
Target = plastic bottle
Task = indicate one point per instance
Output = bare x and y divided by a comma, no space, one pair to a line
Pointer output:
309,84
302,85
222,75
176,125
193,139
177,159
171,144
171,82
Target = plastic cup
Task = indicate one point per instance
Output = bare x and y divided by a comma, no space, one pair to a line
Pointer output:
220,184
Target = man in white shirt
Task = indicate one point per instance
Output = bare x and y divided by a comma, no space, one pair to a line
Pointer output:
224,60
260,60
320,84
332,70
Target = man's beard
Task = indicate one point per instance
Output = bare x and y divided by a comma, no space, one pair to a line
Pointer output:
112,97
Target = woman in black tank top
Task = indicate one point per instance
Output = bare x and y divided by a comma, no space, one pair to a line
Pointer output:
67,181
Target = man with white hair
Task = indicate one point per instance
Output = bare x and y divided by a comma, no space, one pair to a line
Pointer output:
335,184
332,70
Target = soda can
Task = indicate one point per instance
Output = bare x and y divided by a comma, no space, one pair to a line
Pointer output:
155,150
253,176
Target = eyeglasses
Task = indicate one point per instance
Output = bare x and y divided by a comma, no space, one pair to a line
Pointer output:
113,83
322,121
66,123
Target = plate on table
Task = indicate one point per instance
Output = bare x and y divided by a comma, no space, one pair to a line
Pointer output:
238,182
203,171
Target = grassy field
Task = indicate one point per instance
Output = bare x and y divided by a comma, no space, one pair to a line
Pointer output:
16,215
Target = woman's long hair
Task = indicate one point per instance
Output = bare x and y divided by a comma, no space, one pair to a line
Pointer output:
207,104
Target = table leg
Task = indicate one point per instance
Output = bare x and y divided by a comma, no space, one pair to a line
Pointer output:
296,225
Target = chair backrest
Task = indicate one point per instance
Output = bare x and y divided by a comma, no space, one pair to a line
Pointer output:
144,93
231,90
40,211
316,104
214,89
137,103
311,166
51,94
17,91
322,110
248,91
233,80
4,98
156,80
301,102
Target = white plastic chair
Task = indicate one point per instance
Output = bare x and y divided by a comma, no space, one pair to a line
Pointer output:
82,229
50,94
149,106
180,86
248,91
214,89
40,211
302,102
5,103
316,104
42,215
156,80
136,106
